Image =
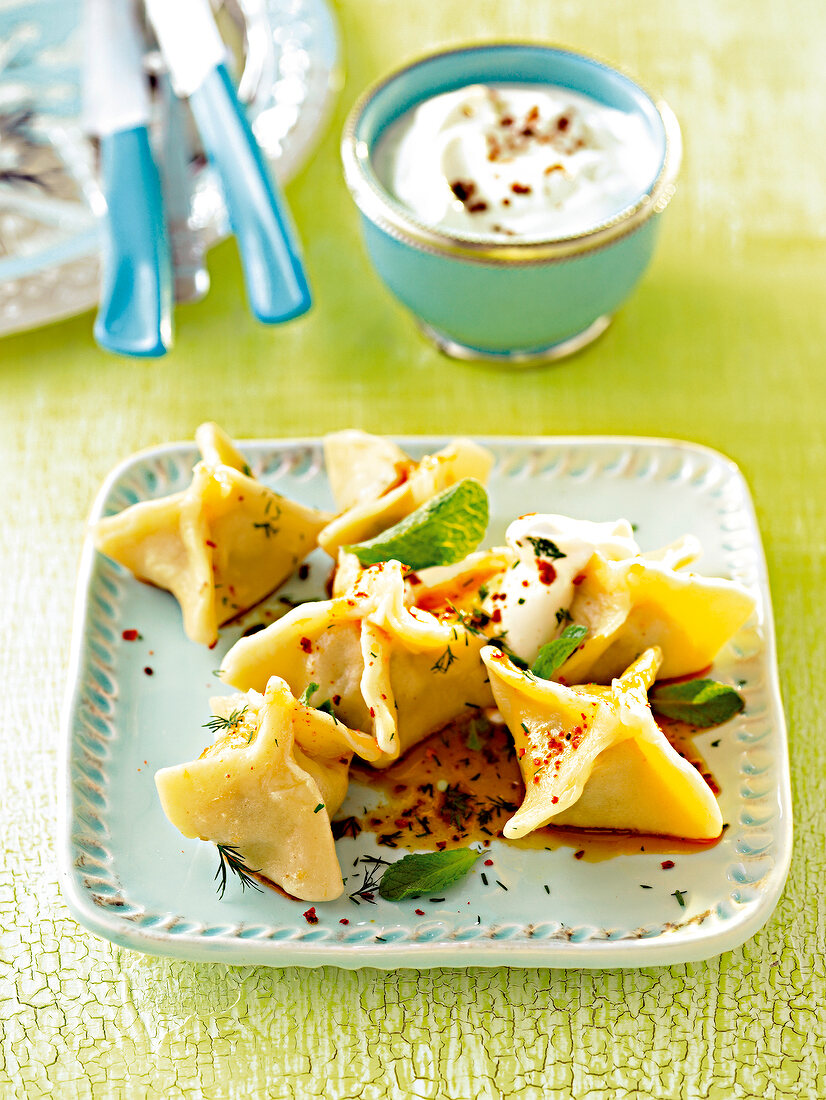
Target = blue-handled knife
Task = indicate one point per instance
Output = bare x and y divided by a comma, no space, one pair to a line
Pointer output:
134,316
196,58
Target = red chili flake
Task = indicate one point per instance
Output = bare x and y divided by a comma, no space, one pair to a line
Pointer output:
402,823
130,635
441,845
579,854
399,788
496,615
414,578
310,916
521,188
343,921
149,671
488,862
306,645
667,864
547,571
462,189
506,120
336,700
372,712
477,207
563,122
209,542
579,578
419,912
554,799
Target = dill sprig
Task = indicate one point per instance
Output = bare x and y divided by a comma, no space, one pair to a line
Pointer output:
444,662
371,877
225,725
230,859
457,806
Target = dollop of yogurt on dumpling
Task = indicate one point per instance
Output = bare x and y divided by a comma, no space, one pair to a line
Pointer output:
530,603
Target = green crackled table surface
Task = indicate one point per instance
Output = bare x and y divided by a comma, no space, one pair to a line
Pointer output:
722,344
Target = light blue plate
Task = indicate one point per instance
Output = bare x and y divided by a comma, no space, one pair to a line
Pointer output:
50,201
130,876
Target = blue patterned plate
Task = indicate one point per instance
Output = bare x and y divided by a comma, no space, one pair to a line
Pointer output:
133,707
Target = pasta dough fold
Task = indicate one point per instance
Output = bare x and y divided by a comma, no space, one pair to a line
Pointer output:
398,672
269,787
220,546
378,484
593,756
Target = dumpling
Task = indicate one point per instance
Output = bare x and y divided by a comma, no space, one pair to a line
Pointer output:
593,756
398,672
220,546
595,574
269,787
387,484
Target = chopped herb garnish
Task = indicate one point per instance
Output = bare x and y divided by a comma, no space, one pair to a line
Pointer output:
230,859
444,662
347,826
267,527
457,806
225,725
307,694
701,703
421,873
370,881
545,548
563,615
680,896
320,806
474,742
553,655
442,531
246,470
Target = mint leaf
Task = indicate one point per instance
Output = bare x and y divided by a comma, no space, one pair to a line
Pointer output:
701,703
442,531
553,655
425,873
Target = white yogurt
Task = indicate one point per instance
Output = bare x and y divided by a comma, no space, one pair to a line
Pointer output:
533,596
516,161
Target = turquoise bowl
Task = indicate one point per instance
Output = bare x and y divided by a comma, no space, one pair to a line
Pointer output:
526,300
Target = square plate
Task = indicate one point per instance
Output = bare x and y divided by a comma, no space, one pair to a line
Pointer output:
133,707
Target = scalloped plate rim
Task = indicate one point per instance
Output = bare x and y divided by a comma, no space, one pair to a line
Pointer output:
692,944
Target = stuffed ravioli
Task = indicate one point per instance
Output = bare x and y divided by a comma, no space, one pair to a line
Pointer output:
397,672
220,546
378,485
592,756
268,788
567,571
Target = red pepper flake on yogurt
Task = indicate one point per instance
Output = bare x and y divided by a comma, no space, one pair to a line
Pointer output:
310,916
